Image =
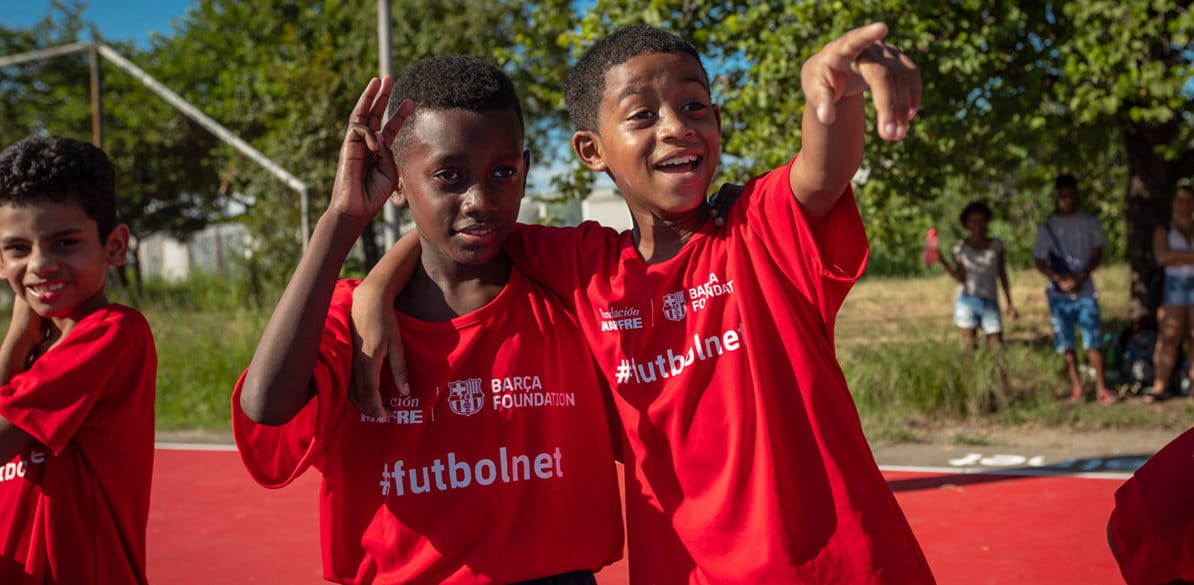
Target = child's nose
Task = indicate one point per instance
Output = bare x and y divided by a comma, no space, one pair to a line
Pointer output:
479,198
673,124
40,262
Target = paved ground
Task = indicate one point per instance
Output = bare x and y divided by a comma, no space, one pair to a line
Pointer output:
1017,508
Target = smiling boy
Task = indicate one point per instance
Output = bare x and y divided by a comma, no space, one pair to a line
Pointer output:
76,405
745,458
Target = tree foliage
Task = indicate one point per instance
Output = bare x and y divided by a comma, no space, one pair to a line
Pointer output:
1014,93
163,181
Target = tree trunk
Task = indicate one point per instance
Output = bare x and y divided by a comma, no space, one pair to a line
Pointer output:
1151,179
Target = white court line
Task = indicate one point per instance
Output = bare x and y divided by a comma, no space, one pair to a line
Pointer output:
1042,472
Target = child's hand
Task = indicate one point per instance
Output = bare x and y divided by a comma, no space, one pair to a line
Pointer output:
854,62
1012,313
375,337
25,333
367,174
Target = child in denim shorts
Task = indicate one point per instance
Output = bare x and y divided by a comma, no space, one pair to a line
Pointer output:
978,262
1173,248
1069,247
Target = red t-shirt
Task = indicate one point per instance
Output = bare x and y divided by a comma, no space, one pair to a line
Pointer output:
74,505
497,468
1152,525
745,458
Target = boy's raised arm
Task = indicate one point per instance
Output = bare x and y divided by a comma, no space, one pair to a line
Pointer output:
278,382
833,124
24,333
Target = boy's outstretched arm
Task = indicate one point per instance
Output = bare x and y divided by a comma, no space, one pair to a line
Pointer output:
833,124
278,382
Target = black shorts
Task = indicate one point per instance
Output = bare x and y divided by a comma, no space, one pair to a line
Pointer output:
573,578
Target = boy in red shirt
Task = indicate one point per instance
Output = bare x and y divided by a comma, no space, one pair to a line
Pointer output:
76,405
487,467
745,458
1151,530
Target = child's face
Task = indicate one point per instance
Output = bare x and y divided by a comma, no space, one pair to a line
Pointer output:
1067,199
463,175
1183,204
658,134
976,224
52,256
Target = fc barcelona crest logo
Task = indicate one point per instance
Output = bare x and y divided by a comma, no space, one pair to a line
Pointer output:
673,306
465,396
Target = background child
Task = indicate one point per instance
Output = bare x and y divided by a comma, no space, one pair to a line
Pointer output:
78,375
745,459
1173,248
978,261
1069,247
494,464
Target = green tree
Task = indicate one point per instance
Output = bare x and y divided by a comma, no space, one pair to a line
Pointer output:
164,180
283,75
1014,93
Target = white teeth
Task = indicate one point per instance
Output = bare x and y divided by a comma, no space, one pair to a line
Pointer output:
684,160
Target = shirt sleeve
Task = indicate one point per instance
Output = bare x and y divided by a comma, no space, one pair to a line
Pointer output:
53,398
957,249
562,258
1040,249
822,259
277,455
1100,235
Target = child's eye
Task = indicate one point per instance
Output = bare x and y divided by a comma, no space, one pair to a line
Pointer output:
642,115
16,249
695,106
67,242
505,172
449,175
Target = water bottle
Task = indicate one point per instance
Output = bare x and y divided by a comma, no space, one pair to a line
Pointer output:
932,253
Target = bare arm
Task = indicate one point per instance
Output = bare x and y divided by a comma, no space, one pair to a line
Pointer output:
23,336
1165,255
1007,287
279,379
375,331
833,123
957,271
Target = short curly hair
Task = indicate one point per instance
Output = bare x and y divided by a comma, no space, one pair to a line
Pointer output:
585,85
60,169
975,207
452,82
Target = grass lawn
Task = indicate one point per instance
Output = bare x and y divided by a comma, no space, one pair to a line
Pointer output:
902,356
896,342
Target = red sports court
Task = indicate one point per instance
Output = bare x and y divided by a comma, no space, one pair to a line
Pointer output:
210,523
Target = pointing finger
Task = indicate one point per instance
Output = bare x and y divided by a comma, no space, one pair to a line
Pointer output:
856,41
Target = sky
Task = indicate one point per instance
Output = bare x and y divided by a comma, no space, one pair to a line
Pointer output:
118,20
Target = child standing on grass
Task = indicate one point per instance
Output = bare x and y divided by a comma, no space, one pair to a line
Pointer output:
495,463
1068,249
745,458
980,266
76,405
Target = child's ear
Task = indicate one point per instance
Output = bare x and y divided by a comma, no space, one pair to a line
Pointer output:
117,246
587,146
398,195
